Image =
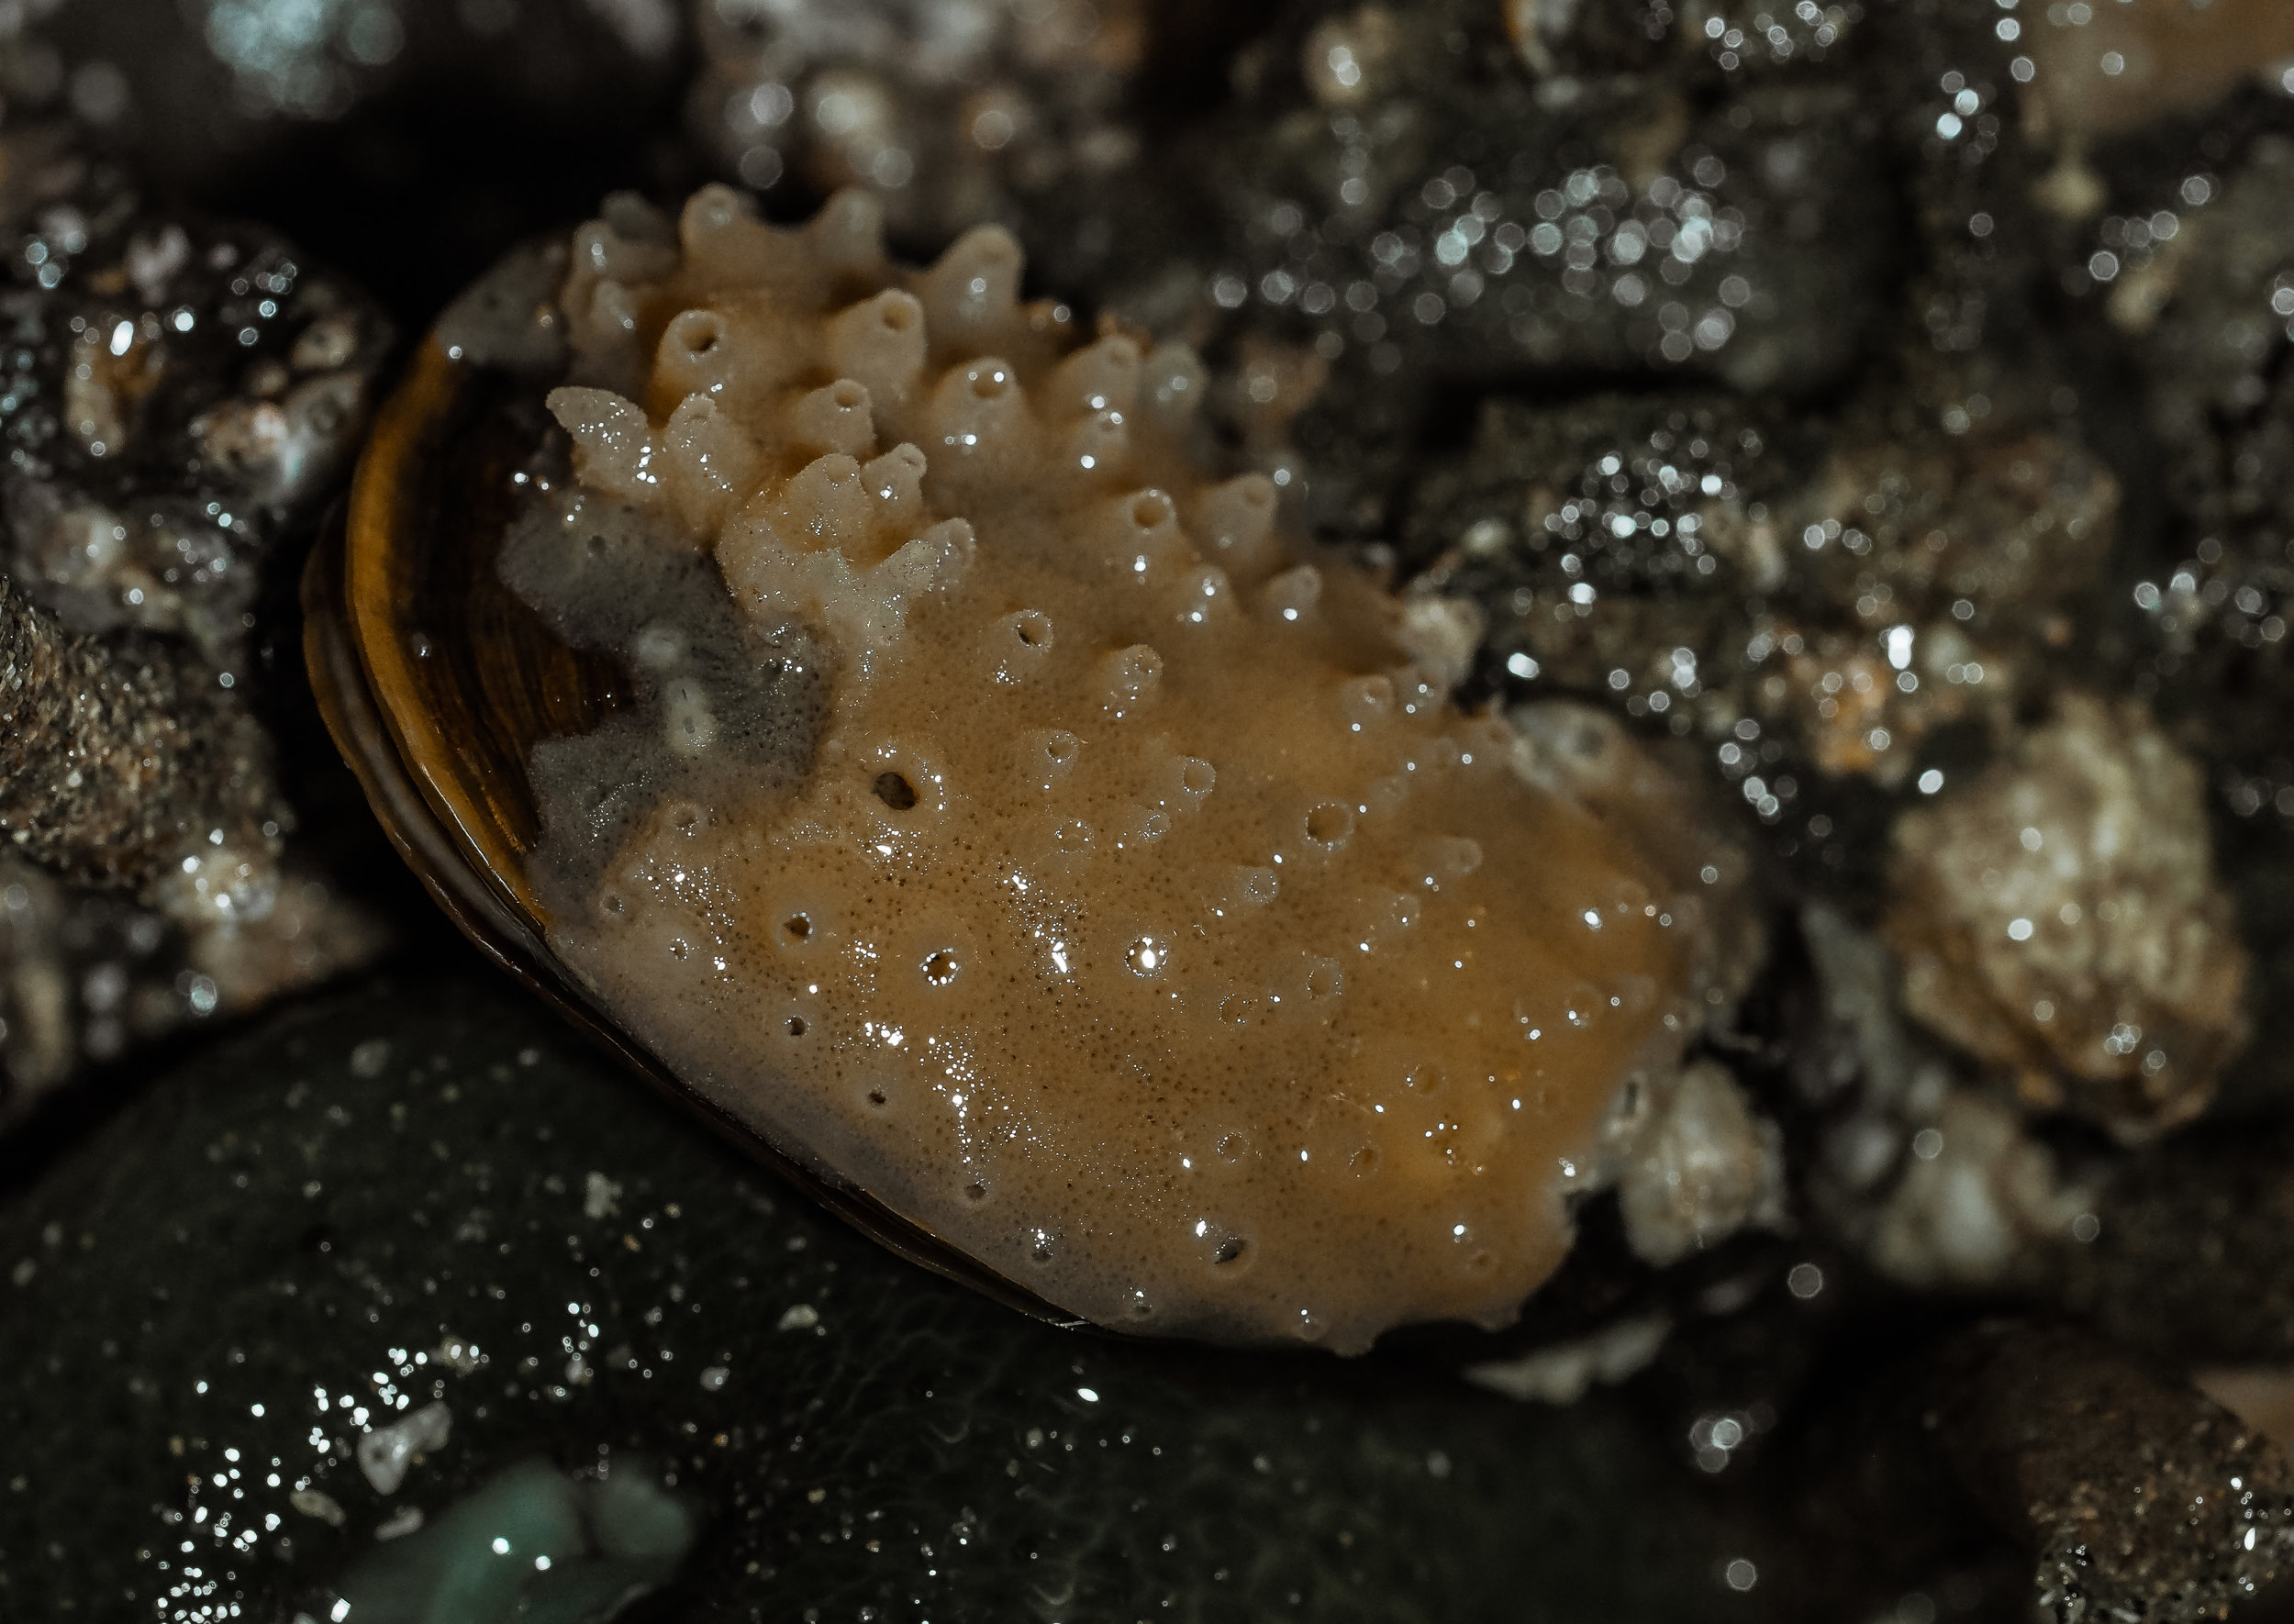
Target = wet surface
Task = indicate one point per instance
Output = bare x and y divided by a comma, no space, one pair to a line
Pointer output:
1986,379
354,1214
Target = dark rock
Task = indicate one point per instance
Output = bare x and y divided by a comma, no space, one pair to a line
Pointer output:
2255,851
2190,1260
1620,533
2213,343
1830,608
1400,208
1941,1462
1886,1531
2145,1499
179,396
429,1195
197,91
1404,191
1974,339
2204,299
116,764
413,142
949,121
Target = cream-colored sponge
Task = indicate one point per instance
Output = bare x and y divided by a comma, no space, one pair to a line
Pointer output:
1144,920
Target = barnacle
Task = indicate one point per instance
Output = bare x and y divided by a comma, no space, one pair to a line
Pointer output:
2060,918
1104,880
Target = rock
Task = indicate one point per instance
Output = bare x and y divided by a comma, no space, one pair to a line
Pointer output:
87,977
1858,593
282,1249
530,1542
205,94
2209,598
2255,850
1979,1205
1701,1168
2060,919
943,115
413,140
1619,535
182,394
1922,1172
1848,1474
1838,612
1430,203
1944,1477
2208,349
1037,117
1443,210
2185,1258
2145,1499
2213,596
181,397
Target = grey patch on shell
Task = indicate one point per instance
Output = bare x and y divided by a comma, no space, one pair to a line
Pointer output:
609,575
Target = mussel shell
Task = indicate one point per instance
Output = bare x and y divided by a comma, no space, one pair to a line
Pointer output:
437,681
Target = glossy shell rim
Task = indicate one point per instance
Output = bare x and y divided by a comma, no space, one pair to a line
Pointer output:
431,798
